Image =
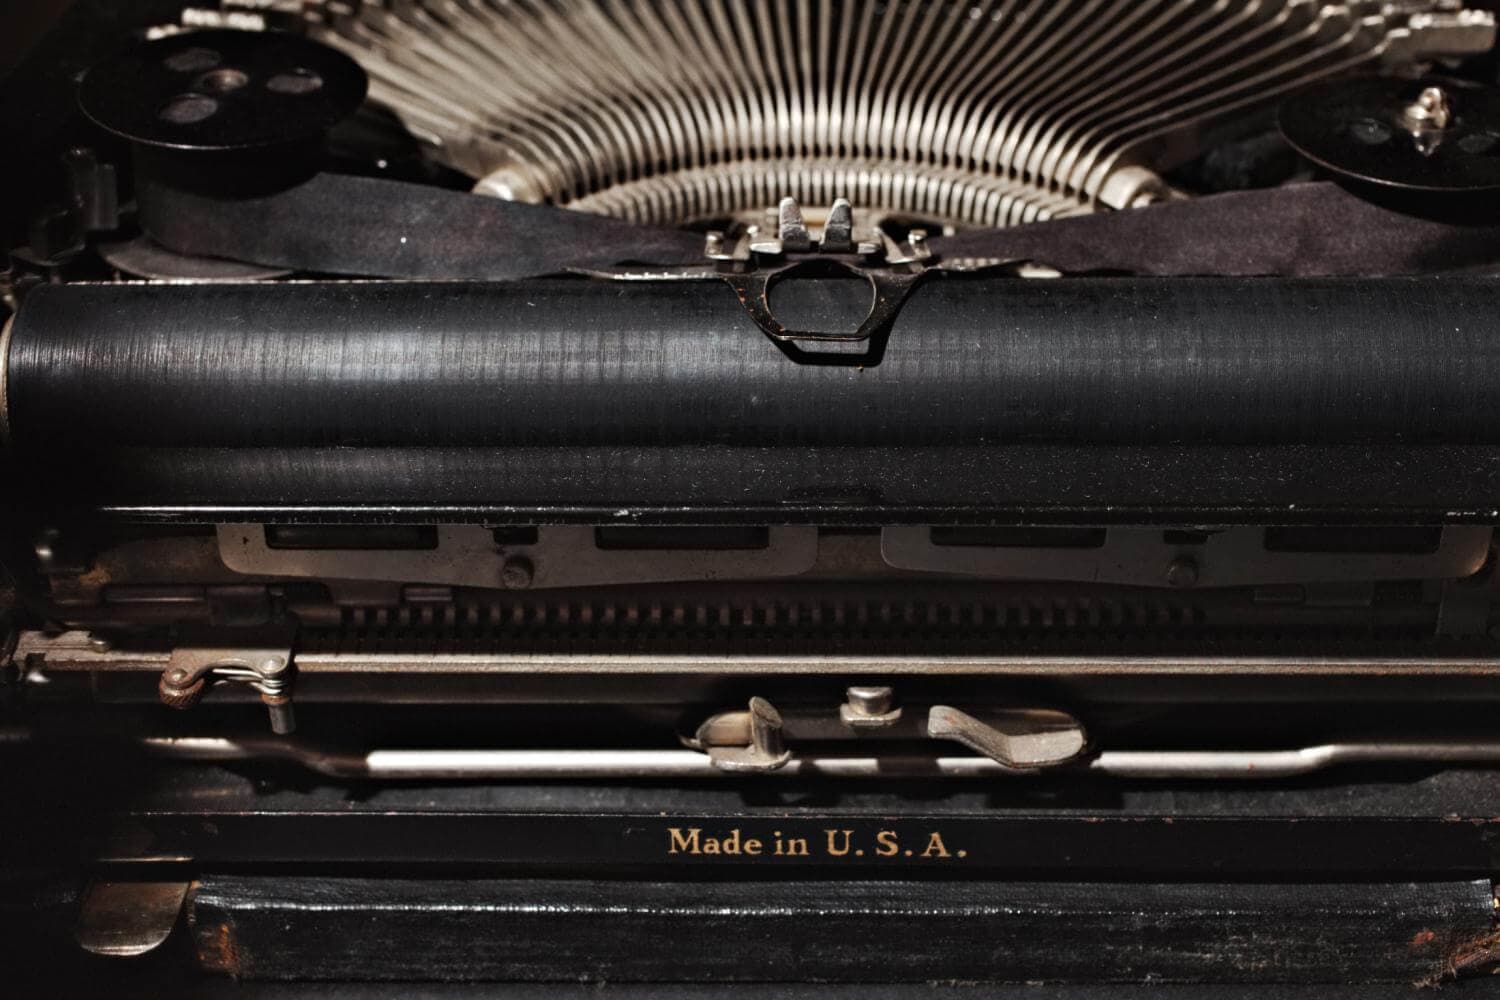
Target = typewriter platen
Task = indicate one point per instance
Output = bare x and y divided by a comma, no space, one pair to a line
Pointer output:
709,492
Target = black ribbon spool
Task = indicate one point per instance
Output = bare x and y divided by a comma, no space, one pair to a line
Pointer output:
226,113
1375,137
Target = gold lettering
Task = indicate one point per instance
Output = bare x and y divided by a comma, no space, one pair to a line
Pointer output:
838,843
678,844
935,847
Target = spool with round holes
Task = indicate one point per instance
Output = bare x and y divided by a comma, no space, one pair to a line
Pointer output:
224,111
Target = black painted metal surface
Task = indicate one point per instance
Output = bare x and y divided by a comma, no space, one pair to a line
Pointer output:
107,808
558,930
712,484
369,881
1009,845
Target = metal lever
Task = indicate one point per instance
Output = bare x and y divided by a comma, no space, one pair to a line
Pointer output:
190,671
1017,740
765,751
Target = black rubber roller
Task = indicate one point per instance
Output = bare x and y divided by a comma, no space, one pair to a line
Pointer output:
579,362
1094,394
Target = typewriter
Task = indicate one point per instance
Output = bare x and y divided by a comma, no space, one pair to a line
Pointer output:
748,497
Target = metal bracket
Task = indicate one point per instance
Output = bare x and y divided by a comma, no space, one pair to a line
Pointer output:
890,290
753,262
191,670
561,556
1146,557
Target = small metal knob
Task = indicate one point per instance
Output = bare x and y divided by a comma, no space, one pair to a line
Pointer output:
869,708
177,694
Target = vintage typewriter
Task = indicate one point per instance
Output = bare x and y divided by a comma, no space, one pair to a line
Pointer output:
991,497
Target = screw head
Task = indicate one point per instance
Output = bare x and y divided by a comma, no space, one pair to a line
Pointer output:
517,573
1183,572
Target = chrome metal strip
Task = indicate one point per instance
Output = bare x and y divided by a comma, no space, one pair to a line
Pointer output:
533,765
76,651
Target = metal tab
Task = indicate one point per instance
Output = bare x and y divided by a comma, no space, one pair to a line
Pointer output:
765,751
126,919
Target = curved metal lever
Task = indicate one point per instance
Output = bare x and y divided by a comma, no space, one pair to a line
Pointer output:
1017,740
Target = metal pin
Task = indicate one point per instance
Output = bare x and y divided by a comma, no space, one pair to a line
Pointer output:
283,717
838,231
1431,109
791,227
917,240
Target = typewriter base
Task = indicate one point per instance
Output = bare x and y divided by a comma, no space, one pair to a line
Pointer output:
1375,876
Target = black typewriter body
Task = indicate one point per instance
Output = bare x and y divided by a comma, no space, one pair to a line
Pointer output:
667,497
